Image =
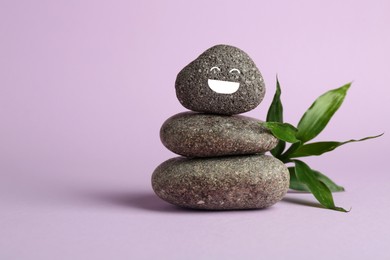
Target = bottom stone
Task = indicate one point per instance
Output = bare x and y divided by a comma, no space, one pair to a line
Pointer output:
222,183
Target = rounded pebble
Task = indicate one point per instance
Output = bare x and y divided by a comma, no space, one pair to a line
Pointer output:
222,183
204,135
222,80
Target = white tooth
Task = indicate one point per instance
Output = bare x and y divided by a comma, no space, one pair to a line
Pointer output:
223,87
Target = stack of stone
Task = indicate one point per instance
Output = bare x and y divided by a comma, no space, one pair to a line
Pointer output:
224,166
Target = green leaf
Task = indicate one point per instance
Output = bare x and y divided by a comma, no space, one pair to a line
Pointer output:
278,150
320,112
320,191
333,187
275,111
295,184
282,131
323,147
275,114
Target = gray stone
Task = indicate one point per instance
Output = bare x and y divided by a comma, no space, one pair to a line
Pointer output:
209,83
222,183
204,135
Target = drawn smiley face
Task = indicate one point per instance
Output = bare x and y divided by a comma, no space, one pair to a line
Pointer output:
224,86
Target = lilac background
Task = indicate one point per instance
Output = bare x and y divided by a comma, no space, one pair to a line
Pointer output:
86,85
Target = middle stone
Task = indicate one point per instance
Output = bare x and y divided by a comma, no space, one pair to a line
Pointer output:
206,135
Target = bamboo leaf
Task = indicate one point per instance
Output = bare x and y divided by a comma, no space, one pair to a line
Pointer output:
323,147
275,111
295,184
282,131
333,187
278,150
320,191
320,112
275,114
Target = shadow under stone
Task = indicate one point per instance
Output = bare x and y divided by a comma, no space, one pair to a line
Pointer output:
144,200
137,200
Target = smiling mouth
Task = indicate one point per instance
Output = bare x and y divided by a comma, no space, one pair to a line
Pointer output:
223,87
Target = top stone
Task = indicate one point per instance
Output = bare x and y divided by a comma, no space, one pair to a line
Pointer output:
222,80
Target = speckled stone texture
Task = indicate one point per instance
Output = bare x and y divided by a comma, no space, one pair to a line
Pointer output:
222,183
192,82
205,135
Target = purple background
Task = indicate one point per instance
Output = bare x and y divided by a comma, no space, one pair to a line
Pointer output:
86,85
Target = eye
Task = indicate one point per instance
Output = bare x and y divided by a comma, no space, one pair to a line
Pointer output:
215,69
234,70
